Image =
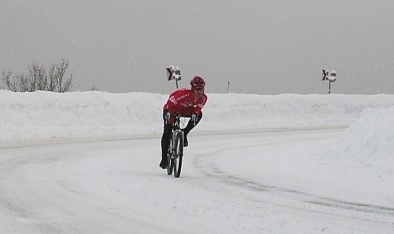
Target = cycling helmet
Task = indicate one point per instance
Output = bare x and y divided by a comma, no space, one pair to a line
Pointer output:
197,82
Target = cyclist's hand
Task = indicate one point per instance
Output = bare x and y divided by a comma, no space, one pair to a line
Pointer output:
166,115
194,118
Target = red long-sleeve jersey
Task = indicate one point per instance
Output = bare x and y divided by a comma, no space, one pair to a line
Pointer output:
182,101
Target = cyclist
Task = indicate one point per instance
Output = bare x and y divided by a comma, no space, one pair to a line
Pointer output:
188,103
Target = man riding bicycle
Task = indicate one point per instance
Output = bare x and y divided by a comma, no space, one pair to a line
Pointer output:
187,103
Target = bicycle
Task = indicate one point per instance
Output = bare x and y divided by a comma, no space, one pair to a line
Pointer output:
175,148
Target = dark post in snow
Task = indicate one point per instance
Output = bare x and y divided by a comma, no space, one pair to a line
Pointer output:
174,73
331,76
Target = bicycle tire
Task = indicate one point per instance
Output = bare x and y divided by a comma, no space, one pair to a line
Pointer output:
177,160
170,158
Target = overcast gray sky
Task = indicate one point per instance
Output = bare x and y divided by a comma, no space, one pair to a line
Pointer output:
260,46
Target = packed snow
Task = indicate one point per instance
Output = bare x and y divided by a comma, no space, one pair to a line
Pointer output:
352,167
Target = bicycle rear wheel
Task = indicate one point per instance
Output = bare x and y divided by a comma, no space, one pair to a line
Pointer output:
177,160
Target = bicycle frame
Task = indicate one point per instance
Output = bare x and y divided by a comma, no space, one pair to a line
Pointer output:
175,149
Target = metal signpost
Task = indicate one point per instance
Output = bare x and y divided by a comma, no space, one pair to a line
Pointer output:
331,76
174,73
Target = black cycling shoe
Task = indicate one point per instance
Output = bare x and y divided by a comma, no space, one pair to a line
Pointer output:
164,164
185,142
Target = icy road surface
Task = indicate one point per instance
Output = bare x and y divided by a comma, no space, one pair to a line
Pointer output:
273,181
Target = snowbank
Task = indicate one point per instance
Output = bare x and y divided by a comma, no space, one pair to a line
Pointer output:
369,140
43,116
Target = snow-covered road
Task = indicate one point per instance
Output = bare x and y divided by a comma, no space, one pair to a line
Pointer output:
260,182
87,162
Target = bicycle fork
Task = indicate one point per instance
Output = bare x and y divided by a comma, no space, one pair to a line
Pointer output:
174,141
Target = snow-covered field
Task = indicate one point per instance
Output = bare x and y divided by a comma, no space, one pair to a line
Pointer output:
87,162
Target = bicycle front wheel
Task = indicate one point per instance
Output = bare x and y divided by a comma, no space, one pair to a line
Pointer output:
170,158
178,150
